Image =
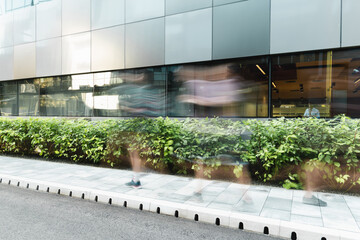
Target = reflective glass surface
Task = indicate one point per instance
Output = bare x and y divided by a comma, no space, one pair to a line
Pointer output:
66,96
29,98
139,92
231,89
8,99
322,84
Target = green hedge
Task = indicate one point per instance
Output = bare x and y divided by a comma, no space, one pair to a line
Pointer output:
278,150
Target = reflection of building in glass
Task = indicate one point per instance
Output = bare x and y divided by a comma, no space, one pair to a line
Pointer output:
74,58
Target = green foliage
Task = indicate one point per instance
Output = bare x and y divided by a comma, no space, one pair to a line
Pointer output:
280,150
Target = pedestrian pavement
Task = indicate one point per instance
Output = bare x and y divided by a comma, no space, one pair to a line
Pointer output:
269,210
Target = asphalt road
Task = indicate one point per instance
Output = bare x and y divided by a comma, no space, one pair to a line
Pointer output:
27,214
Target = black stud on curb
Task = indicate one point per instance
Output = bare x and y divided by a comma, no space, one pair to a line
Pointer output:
241,225
217,221
110,201
158,210
96,198
140,207
125,204
196,217
18,184
266,230
293,236
176,213
27,186
83,196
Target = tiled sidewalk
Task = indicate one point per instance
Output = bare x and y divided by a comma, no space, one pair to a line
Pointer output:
267,203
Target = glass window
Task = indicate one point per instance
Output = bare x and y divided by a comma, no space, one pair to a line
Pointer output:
346,83
301,84
67,96
29,98
317,84
237,88
8,5
8,99
18,4
139,92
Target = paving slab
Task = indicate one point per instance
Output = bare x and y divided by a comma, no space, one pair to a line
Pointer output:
249,207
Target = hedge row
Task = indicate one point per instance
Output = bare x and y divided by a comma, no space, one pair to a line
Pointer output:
278,150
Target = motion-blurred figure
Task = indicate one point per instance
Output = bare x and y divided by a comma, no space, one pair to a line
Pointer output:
139,97
217,90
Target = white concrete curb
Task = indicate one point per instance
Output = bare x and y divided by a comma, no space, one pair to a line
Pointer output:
273,227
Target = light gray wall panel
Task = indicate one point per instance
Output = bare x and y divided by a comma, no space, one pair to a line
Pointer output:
106,13
137,10
76,53
24,61
48,20
178,6
108,49
7,30
221,2
75,16
144,44
24,25
48,57
350,23
301,25
6,63
241,29
188,36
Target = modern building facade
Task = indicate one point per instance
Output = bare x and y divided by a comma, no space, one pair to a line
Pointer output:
179,58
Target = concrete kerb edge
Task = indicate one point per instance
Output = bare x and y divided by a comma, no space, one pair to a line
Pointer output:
223,218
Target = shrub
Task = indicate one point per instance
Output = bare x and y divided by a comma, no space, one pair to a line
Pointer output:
278,150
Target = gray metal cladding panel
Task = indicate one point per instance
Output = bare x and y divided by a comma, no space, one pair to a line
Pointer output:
75,16
108,49
7,29
241,29
6,63
178,6
24,25
24,61
350,21
76,53
188,36
48,20
107,13
137,10
221,2
48,57
301,25
145,44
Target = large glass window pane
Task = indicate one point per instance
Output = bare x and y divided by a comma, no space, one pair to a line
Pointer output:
18,4
237,88
139,92
67,96
302,84
29,98
346,83
8,5
8,99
